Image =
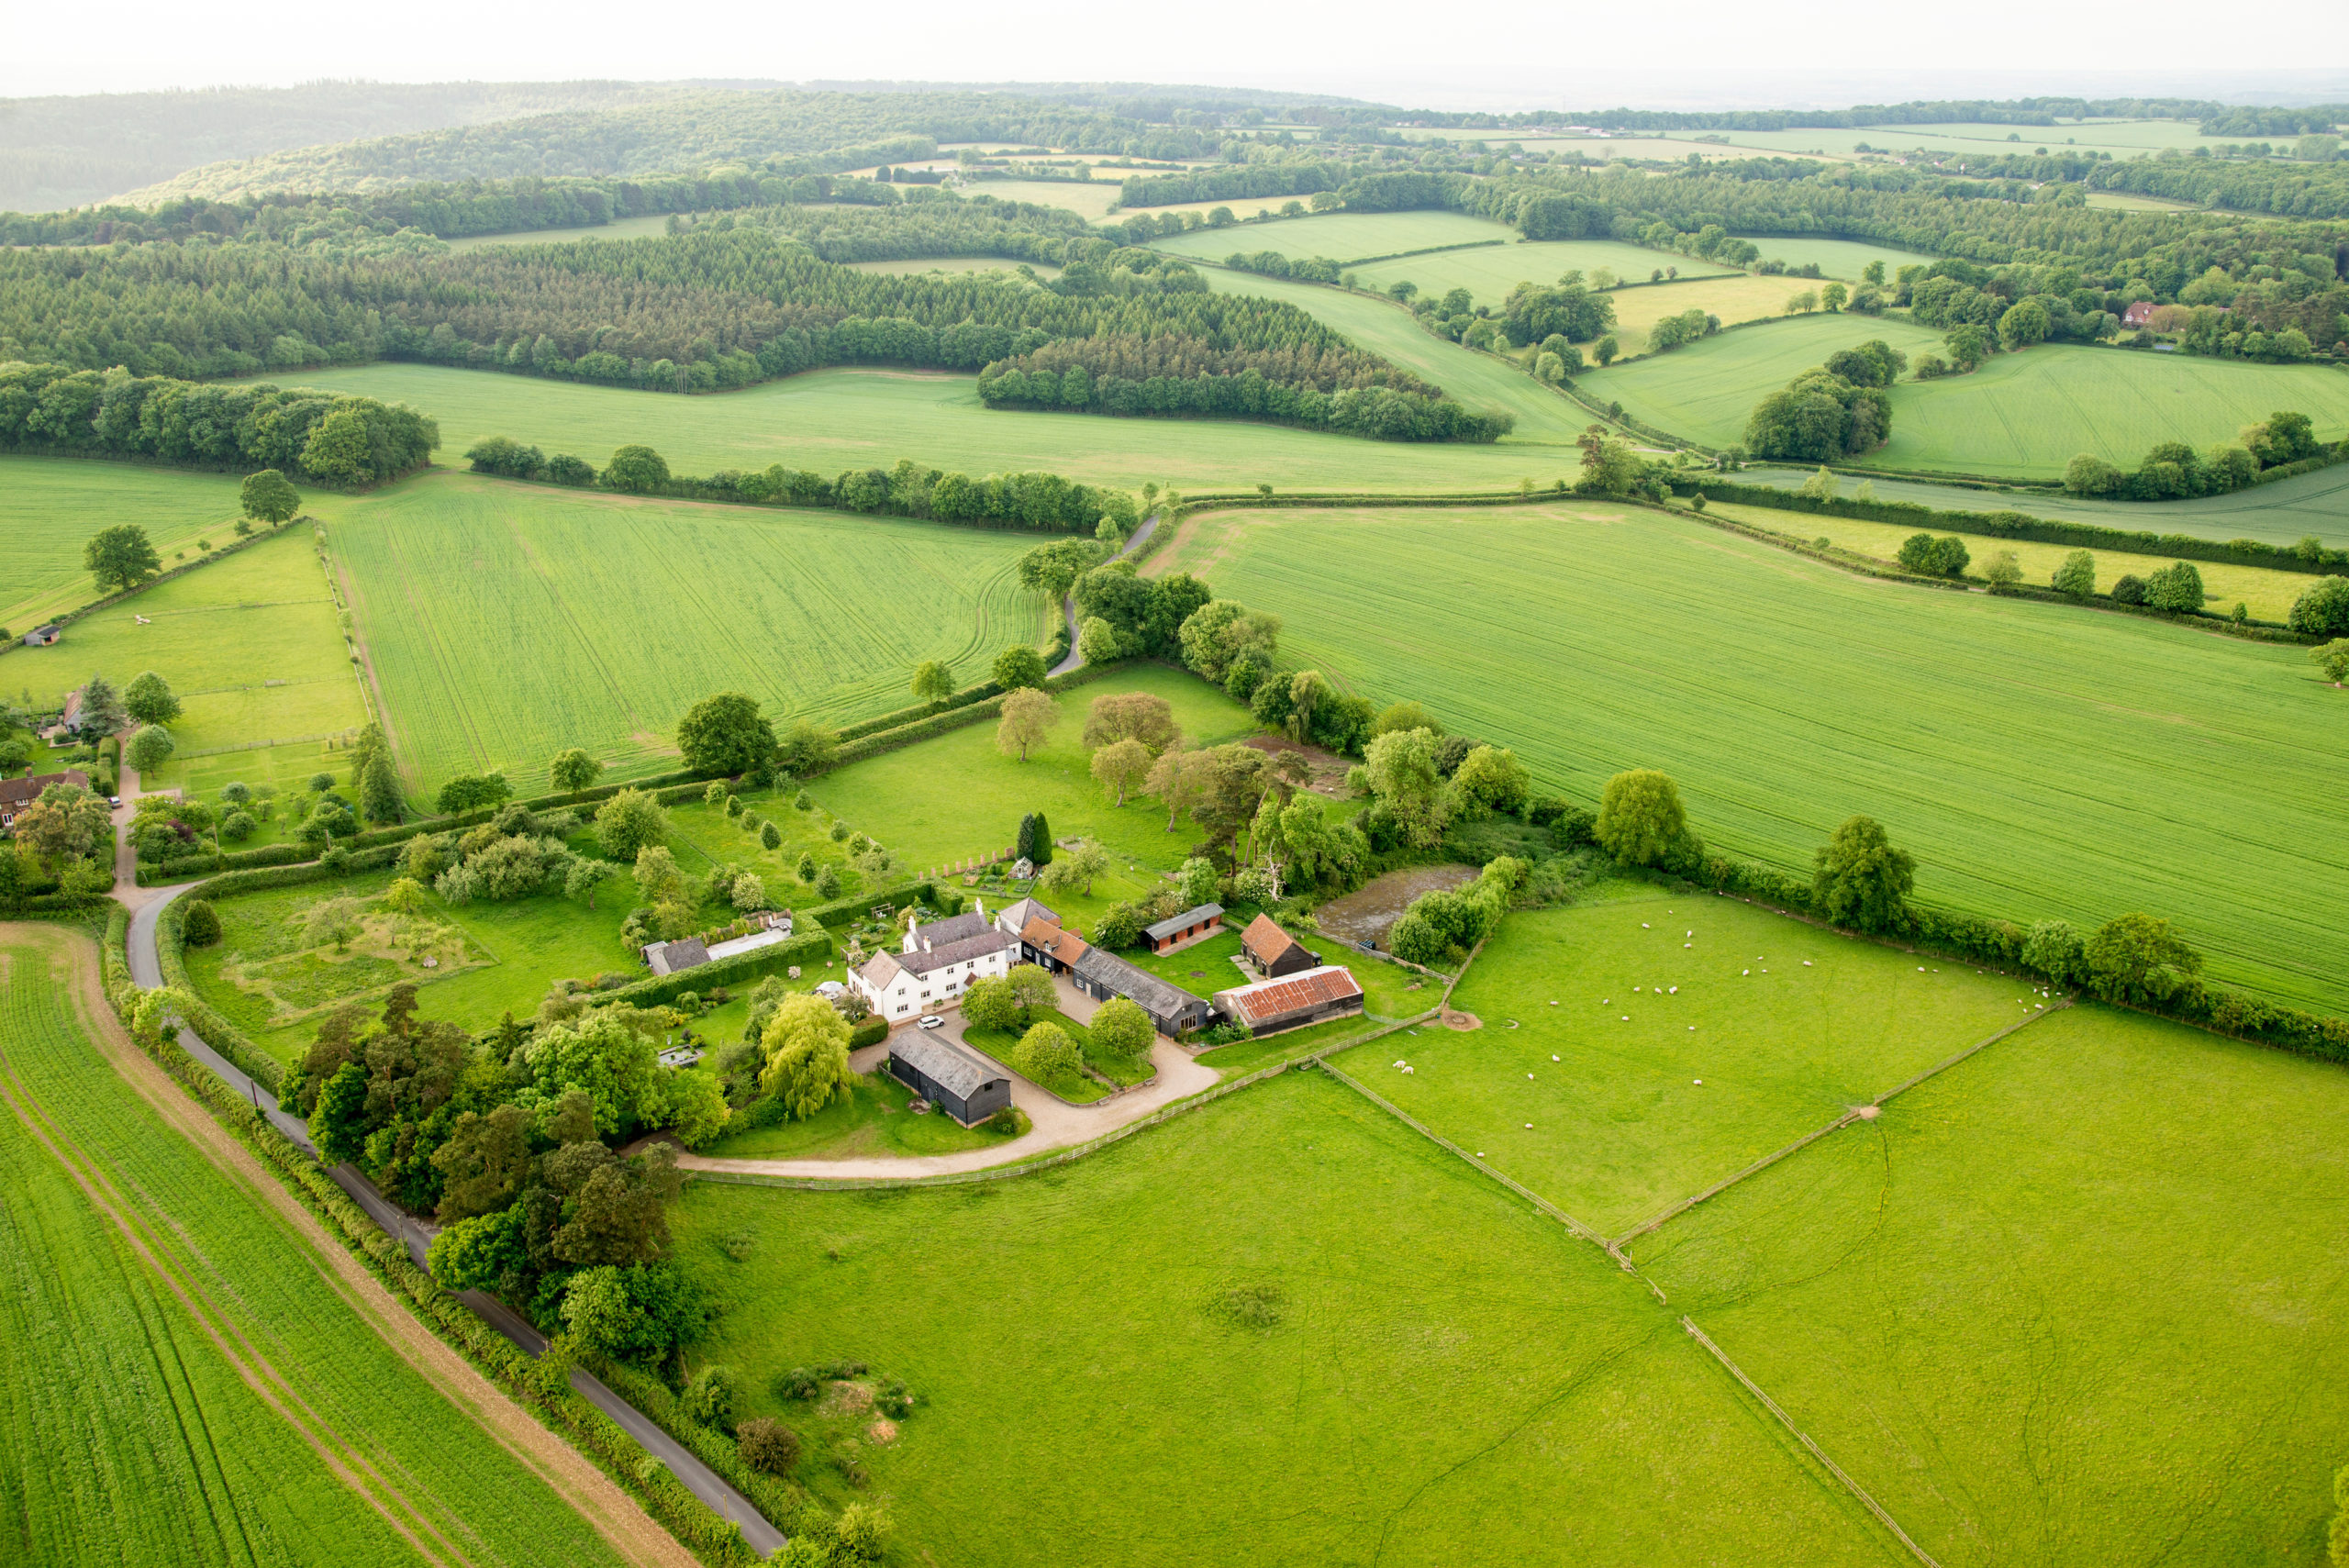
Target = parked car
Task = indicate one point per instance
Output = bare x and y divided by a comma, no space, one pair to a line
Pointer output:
929,1021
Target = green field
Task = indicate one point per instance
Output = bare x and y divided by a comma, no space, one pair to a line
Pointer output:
129,1431
953,264
649,226
2078,1300
251,646
2027,415
50,506
2038,761
1735,299
1489,271
834,420
1341,236
1639,1099
505,622
1705,391
1449,1378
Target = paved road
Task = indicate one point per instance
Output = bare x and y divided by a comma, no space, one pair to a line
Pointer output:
1076,661
762,1536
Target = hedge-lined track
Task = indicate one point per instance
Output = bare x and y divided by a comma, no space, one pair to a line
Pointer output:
182,1379
505,622
2039,759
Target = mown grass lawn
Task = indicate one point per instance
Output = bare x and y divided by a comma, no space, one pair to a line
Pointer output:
1003,1044
2078,1300
2038,762
1777,1028
872,1120
1284,1330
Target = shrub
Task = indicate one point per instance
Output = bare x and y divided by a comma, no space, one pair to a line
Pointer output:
1045,1052
2176,587
802,801
709,1398
839,833
1121,1029
2322,610
768,1446
200,926
1930,557
2076,576
871,1031
1640,820
770,836
2129,590
236,827
799,1382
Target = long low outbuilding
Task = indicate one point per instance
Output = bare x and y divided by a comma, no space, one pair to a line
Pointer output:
1101,974
957,1080
1294,1001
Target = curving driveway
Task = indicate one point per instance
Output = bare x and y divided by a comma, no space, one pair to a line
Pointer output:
146,968
1076,661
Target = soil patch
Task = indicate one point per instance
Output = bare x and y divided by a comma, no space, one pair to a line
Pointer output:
1364,916
1328,774
1462,1021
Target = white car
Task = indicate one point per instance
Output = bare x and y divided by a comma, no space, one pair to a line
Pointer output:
929,1021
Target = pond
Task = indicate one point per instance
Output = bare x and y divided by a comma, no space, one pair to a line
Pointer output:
1364,916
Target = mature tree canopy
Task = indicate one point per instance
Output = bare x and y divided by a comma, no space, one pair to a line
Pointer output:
1861,880
1121,1029
1121,766
637,469
627,822
573,770
148,698
725,734
933,680
1144,716
1640,818
1492,779
807,1056
1017,666
269,496
1028,716
150,749
120,557
1401,768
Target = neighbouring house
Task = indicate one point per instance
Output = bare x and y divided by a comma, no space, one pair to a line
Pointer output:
1101,974
2140,313
936,964
1309,996
1044,940
690,953
1272,953
42,636
17,793
957,1080
1191,925
61,732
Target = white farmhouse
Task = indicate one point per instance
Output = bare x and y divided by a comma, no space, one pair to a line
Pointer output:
936,965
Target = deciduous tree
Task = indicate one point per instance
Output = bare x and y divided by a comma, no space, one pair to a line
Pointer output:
269,497
934,681
1641,821
1028,716
1121,766
120,557
627,822
148,698
1860,880
725,734
807,1056
573,771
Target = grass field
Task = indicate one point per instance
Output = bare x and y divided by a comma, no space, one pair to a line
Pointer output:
50,506
1735,299
1615,1103
1092,198
2038,761
648,226
2078,1300
2281,512
834,420
1958,139
505,622
2125,201
1489,271
1306,1336
2269,594
872,1120
1341,236
149,1291
1706,391
251,647
2027,415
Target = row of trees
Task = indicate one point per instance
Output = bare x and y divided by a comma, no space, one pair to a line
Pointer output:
1832,411
2172,469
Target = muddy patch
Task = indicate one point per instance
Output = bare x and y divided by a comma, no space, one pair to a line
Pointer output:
1325,771
1364,916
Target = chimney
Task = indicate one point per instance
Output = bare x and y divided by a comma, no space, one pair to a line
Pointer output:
981,905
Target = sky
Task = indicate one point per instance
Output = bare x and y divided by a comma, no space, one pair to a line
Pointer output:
1497,54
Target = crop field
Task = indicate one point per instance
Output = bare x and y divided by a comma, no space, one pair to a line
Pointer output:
50,506
2038,761
251,646
1288,1295
1706,391
1341,236
2028,414
150,1294
1735,299
1638,1049
2076,1300
1091,198
505,622
835,419
2281,512
1489,271
2269,594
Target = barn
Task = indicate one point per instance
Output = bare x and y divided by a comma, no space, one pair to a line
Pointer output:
1101,974
1181,931
1309,996
954,1080
1272,953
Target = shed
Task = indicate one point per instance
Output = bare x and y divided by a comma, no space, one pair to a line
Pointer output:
1272,953
1101,974
957,1080
1310,996
1173,931
669,958
42,636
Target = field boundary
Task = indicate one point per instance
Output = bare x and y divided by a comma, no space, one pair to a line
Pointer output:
1849,1117
1803,1437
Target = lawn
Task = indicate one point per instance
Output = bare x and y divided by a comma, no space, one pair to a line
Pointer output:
1614,1102
2269,594
2027,415
1705,391
505,622
2038,761
647,227
957,796
50,506
129,1434
2078,1300
251,646
872,1121
1489,271
1082,1088
1332,1343
1341,236
835,419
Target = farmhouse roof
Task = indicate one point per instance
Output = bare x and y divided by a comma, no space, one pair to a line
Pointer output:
1183,921
953,929
25,790
1270,999
1065,945
1266,940
1158,996
945,955
1018,916
944,1063
879,970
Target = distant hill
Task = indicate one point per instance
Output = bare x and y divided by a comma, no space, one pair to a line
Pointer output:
71,151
